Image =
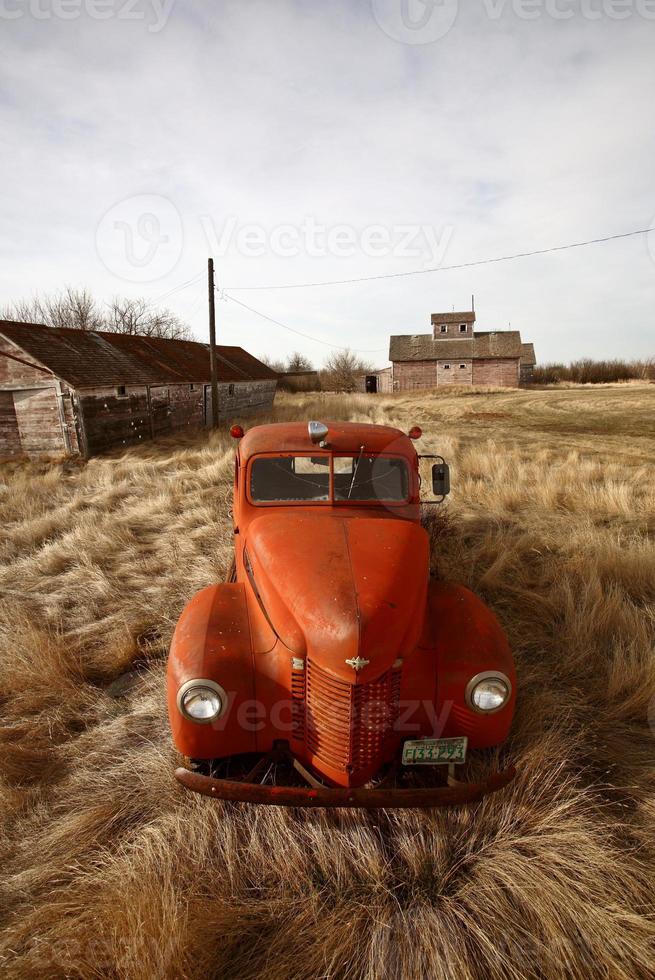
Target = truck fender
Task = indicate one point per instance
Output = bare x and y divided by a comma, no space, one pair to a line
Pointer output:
468,639
212,642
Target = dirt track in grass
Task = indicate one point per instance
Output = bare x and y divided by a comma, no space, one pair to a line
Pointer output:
108,869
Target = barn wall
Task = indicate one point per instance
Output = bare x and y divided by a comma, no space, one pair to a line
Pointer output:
452,331
110,420
457,372
9,437
497,372
38,421
526,375
385,381
176,407
416,375
384,377
35,425
241,399
18,369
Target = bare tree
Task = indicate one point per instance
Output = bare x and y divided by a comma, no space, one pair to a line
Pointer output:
298,362
136,316
75,308
78,310
342,371
274,364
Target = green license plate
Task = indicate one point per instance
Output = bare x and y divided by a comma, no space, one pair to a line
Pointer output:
434,751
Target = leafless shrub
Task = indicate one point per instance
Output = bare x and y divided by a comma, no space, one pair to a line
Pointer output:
588,371
342,371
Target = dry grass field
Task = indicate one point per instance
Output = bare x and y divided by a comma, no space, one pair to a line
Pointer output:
109,869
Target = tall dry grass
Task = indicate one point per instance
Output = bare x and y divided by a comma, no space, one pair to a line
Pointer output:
108,869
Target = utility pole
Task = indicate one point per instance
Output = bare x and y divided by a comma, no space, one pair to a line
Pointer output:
212,343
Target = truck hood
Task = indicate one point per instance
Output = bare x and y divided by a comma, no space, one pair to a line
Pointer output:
337,588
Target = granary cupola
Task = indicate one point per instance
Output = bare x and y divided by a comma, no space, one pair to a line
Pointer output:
450,326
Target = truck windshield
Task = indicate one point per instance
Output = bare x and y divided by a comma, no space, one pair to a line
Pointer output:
359,477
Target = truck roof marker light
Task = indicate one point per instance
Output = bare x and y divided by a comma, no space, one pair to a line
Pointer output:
415,432
236,432
318,432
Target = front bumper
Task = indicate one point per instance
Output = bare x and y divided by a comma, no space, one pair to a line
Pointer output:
367,799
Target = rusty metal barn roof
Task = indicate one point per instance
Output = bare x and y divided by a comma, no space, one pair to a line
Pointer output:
85,359
423,347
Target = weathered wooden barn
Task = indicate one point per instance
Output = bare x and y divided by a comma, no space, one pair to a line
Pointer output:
83,392
455,353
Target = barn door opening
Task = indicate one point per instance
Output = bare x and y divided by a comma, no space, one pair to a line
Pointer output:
371,384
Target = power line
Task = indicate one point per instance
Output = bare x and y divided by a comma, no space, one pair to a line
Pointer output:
445,268
278,323
177,289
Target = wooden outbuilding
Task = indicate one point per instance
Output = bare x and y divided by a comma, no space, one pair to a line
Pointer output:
455,353
83,392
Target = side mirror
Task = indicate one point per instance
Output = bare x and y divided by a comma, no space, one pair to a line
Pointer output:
441,479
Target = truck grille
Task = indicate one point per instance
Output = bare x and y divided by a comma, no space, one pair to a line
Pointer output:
345,725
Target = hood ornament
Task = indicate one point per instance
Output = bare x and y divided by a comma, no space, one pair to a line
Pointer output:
357,663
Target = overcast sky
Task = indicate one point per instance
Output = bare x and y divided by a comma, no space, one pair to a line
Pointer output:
309,141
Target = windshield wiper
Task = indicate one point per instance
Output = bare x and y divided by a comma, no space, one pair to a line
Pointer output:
355,468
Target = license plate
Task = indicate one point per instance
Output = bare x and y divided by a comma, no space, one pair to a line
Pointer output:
434,751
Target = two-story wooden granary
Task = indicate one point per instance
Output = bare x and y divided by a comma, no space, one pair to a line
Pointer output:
83,392
455,353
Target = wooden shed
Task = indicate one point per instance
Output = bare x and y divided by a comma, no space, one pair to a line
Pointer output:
82,392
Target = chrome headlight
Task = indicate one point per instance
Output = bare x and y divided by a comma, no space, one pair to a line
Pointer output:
488,692
201,701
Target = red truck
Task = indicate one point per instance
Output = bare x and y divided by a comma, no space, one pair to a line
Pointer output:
331,669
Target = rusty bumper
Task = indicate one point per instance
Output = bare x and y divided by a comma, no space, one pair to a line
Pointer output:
368,799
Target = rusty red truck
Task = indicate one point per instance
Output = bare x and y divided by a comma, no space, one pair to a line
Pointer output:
331,669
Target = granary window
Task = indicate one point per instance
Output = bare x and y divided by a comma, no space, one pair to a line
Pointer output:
230,390
462,367
444,328
446,367
192,387
121,391
462,328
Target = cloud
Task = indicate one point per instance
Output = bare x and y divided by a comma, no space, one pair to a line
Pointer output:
507,133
